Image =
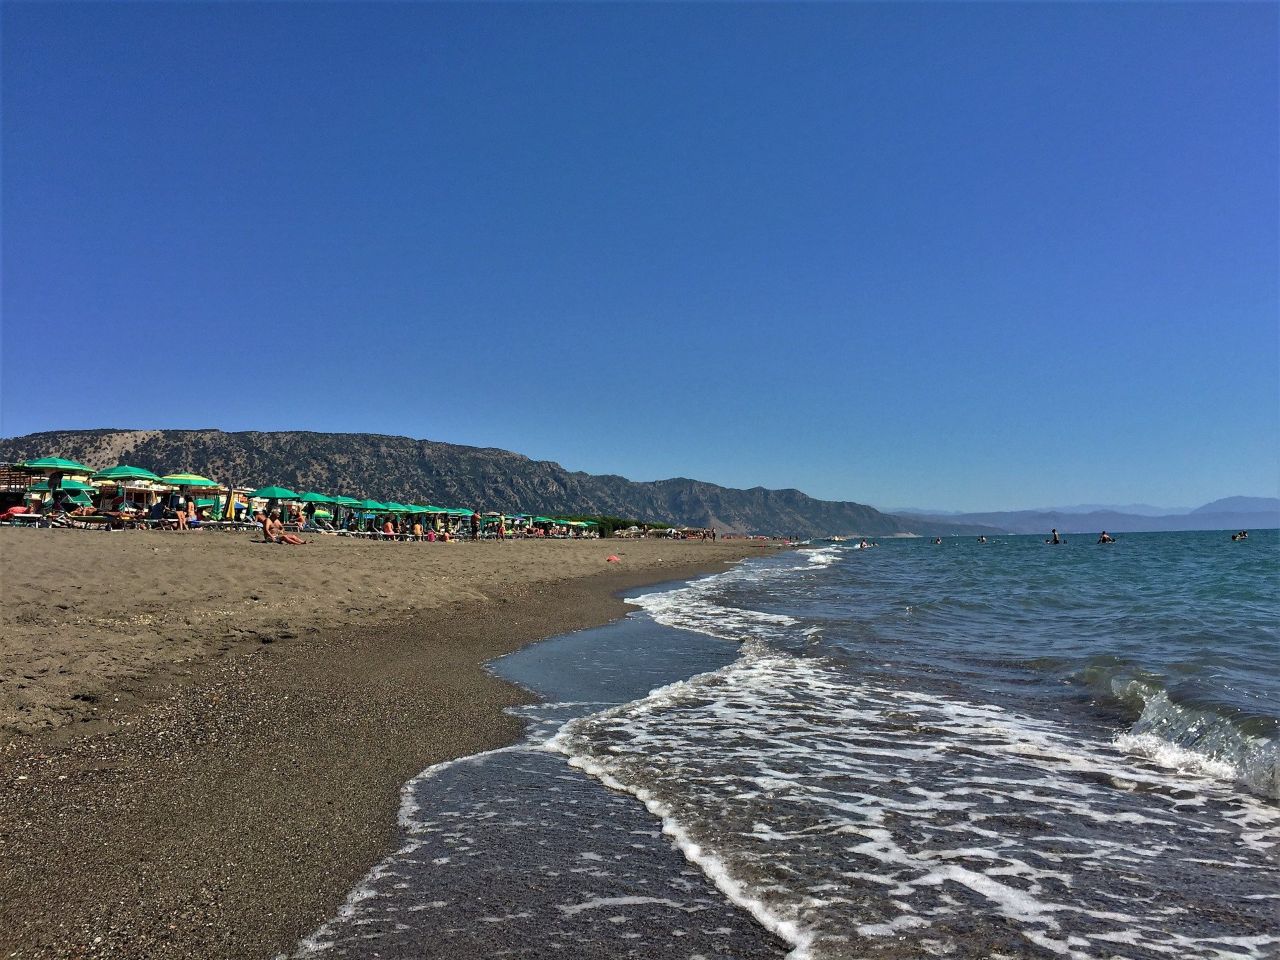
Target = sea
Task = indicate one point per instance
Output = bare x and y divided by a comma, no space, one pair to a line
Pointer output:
1007,749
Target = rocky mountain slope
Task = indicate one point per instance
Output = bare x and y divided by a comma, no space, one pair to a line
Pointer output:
408,470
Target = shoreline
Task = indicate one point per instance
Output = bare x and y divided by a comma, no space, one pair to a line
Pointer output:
229,809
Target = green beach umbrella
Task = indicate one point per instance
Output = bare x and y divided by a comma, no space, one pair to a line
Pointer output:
52,465
126,472
42,486
346,501
273,493
187,480
310,497
397,507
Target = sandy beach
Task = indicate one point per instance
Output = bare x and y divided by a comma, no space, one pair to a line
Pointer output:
203,738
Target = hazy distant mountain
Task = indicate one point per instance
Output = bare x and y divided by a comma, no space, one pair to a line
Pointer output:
1231,513
1133,509
407,470
1267,505
1136,509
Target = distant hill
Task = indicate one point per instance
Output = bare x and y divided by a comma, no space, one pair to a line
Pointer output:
1134,509
408,470
1230,513
1265,505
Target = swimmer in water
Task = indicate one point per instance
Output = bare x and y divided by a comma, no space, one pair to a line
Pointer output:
982,539
937,539
1055,538
1106,538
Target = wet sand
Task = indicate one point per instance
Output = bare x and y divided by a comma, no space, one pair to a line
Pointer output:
203,739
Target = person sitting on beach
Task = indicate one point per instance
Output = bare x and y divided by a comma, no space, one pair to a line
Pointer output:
1106,538
274,531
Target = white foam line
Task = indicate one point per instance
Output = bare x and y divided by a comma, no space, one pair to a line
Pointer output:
321,939
710,864
570,910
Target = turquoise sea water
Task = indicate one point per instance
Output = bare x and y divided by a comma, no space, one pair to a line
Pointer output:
1173,637
999,750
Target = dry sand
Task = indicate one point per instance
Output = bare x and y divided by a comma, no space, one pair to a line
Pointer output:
203,738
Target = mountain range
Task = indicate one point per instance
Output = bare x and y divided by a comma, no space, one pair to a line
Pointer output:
409,470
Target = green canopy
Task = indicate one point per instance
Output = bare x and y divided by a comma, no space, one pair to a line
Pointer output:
79,498
53,464
273,493
42,486
125,472
187,480
346,501
398,507
371,505
316,498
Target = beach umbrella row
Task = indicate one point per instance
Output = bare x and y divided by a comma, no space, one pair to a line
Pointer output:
190,481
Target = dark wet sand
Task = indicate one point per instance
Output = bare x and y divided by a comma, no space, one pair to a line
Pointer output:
227,811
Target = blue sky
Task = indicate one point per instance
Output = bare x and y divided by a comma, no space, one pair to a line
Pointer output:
956,256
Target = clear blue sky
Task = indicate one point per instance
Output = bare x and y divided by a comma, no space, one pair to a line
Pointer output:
955,256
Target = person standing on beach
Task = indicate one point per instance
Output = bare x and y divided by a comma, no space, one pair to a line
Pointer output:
475,525
55,490
502,526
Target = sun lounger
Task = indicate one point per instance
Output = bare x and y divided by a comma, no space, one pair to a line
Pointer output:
23,519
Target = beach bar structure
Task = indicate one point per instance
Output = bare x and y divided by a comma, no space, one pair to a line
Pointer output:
135,486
